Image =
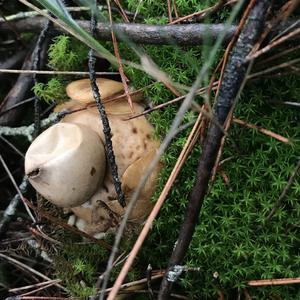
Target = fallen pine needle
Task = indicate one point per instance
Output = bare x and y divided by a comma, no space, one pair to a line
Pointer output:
279,281
263,130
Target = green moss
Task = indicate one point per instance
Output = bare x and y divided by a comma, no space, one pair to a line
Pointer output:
79,264
66,54
52,91
232,237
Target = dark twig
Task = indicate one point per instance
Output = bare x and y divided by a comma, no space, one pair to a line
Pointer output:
12,146
13,61
234,77
105,122
36,66
22,86
284,192
11,177
11,209
16,105
184,34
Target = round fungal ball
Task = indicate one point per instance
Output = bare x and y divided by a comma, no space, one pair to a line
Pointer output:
66,164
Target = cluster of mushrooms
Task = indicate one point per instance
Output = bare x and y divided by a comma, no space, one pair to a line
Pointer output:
67,163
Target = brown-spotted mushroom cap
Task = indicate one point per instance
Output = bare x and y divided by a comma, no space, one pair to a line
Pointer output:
81,91
66,164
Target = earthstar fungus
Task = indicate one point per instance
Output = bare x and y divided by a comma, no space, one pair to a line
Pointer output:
67,164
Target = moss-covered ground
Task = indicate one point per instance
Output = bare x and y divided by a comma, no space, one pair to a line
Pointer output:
233,237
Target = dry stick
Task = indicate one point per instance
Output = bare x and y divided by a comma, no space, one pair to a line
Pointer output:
137,282
286,29
193,137
175,9
274,22
35,66
284,192
231,43
186,34
202,13
15,290
272,45
23,266
169,11
122,11
12,146
39,72
274,68
16,187
13,61
147,111
22,85
13,29
263,130
234,76
279,281
11,209
105,122
40,288
117,55
16,105
41,298
277,55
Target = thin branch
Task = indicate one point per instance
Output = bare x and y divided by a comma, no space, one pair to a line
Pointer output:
274,68
16,290
105,122
178,99
41,72
31,270
35,66
12,146
184,34
273,44
27,131
17,188
11,209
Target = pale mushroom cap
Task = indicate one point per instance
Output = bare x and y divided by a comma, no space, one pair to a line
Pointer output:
81,91
66,164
